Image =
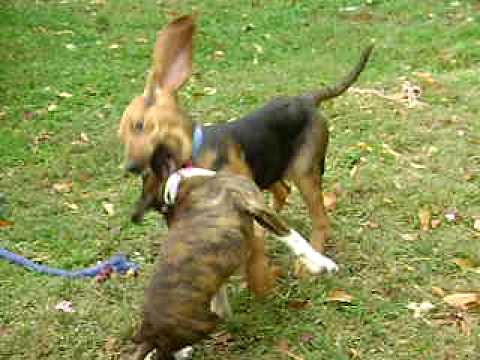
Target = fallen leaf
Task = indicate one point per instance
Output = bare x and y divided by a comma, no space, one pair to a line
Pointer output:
372,225
476,224
114,46
141,40
52,107
339,295
41,138
222,341
219,54
425,218
409,237
64,94
111,345
283,347
72,206
329,200
458,319
464,264
65,306
451,215
354,171
463,301
306,338
108,207
438,291
435,223
83,139
5,223
4,330
425,76
63,187
209,90
354,354
298,304
420,308
71,46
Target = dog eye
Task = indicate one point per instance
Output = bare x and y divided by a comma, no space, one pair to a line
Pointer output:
139,126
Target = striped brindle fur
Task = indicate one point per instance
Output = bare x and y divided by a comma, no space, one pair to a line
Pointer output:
211,236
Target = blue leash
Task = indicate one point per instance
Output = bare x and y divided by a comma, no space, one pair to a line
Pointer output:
117,263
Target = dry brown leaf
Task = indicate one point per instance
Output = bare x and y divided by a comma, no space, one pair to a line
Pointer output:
63,187
306,338
463,301
282,346
438,291
372,225
329,200
435,223
4,330
458,319
463,263
425,77
339,295
41,138
5,223
354,354
298,304
425,217
108,207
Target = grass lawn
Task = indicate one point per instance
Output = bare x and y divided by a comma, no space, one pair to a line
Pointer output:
67,70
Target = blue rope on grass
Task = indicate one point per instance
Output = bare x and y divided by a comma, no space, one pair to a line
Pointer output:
117,263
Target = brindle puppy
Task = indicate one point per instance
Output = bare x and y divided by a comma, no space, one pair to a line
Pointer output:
210,236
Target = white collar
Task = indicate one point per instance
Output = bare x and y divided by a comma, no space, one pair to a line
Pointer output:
173,182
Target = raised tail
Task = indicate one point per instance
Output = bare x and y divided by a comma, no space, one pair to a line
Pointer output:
329,92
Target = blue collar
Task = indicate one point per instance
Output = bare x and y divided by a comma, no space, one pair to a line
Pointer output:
197,141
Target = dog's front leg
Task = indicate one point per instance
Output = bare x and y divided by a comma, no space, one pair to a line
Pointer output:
220,304
313,260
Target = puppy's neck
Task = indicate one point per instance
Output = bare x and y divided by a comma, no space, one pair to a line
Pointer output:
173,184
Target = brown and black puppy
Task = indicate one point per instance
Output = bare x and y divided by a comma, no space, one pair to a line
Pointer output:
284,140
210,236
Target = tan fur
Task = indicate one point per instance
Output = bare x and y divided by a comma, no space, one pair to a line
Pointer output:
164,123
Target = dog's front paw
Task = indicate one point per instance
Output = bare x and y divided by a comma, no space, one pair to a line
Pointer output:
184,354
316,263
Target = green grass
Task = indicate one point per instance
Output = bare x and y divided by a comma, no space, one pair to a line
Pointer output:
49,47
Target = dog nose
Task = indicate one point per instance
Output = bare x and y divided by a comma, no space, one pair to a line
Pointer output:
133,166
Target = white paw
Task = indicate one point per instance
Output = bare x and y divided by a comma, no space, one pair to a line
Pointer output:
307,255
184,354
316,263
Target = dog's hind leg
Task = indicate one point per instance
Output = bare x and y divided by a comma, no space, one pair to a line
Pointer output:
258,275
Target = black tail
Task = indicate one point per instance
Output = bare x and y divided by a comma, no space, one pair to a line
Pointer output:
329,92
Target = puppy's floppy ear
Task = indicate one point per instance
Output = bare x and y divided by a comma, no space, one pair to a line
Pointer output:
172,55
253,205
